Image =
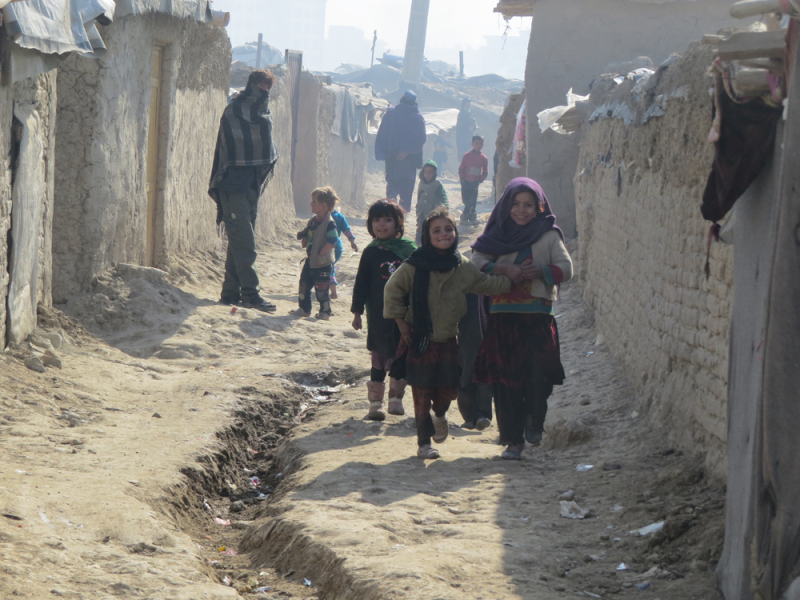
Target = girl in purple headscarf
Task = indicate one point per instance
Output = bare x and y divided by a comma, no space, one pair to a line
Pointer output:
520,356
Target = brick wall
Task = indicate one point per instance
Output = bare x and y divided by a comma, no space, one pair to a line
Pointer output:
642,251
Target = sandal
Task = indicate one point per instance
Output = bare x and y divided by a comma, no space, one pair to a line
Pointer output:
427,452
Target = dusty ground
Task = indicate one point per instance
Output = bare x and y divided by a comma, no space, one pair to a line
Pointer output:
114,467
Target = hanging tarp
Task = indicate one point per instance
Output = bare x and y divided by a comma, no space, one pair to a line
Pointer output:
182,9
26,227
58,26
347,116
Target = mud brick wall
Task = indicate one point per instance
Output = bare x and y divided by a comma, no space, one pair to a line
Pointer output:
642,250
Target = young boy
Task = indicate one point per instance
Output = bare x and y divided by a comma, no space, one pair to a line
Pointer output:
430,194
319,239
473,171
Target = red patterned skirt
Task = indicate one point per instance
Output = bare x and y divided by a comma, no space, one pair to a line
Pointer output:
438,367
519,350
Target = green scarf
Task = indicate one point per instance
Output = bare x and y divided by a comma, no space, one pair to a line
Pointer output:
400,246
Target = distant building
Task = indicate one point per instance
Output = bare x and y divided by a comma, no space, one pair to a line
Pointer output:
298,25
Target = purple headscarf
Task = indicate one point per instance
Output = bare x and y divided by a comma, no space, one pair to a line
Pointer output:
502,235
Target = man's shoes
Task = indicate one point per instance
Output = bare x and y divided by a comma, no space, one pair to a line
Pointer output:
258,303
468,425
482,423
230,300
299,312
534,438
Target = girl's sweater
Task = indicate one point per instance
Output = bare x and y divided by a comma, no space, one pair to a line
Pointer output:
377,265
536,296
446,297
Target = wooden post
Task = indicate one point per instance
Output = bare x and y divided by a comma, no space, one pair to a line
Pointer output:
258,50
374,42
461,62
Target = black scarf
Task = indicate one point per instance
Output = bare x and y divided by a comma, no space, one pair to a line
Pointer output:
245,138
425,260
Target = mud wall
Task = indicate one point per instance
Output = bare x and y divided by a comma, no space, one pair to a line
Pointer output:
505,142
39,94
307,152
642,251
101,150
571,42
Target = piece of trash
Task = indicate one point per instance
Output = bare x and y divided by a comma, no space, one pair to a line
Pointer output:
132,482
589,353
306,583
643,586
611,466
590,594
230,552
568,495
652,528
571,510
12,517
255,481
583,468
206,505
233,310
634,414
45,520
219,521
262,590
226,580
21,472
617,508
622,567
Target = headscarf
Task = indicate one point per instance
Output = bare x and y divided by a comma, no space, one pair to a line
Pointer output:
409,98
424,260
502,235
402,247
244,139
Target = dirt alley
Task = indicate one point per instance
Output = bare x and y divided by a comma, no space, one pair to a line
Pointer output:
114,468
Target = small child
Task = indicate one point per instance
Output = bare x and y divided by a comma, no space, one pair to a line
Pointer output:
436,279
430,194
473,171
342,227
380,260
440,146
319,239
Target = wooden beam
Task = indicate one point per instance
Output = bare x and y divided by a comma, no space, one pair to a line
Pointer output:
751,82
753,44
751,8
773,65
515,8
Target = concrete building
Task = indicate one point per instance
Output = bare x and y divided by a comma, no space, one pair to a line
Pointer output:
571,42
136,135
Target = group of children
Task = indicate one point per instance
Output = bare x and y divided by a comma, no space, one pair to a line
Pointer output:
416,300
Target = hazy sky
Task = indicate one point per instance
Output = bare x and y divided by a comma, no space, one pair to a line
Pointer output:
454,24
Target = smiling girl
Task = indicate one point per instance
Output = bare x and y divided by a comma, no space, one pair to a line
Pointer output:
426,296
380,260
520,354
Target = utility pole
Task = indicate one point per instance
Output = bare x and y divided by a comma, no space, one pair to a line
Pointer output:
411,75
258,51
374,42
461,63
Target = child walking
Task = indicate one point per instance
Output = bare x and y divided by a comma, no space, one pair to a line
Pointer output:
473,171
380,260
342,227
430,194
319,239
436,279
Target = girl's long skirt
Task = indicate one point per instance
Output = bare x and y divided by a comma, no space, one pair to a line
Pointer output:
520,358
433,378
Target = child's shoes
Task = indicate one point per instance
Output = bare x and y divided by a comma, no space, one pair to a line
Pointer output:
375,391
299,312
397,389
323,316
427,452
440,427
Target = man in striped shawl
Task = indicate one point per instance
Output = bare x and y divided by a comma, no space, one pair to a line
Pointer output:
244,160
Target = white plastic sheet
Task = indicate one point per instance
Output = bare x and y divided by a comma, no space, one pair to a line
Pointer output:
26,227
548,118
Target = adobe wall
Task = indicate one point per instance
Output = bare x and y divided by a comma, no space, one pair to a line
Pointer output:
307,150
505,144
571,42
101,149
642,251
40,93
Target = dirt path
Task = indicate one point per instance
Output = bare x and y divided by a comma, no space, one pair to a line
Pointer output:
114,468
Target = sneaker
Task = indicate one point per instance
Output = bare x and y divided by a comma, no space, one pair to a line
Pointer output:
534,438
323,316
427,452
258,303
441,429
468,425
482,423
230,300
299,312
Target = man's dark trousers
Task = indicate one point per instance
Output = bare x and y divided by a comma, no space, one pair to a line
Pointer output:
239,210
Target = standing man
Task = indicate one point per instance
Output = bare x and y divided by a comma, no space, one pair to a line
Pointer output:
399,142
465,128
244,161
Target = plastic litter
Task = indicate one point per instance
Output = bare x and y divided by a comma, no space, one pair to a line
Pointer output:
643,586
568,495
255,481
12,517
306,583
652,528
571,510
230,552
583,468
622,567
548,118
226,580
222,522
262,590
590,594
